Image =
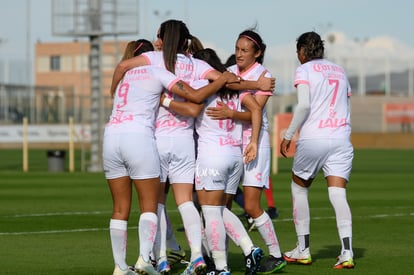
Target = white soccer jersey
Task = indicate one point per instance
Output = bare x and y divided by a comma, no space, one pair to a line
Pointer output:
136,100
329,89
219,164
219,137
253,74
187,69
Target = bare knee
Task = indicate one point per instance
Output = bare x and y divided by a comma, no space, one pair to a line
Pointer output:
301,182
121,213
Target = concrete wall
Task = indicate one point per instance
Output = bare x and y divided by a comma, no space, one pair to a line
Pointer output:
383,141
366,111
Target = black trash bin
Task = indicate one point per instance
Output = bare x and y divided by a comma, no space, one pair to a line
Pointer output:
56,160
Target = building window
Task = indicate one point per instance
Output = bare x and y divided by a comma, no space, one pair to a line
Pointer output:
55,63
108,62
43,64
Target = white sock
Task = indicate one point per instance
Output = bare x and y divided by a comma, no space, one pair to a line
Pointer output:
204,244
147,229
118,233
301,215
303,242
160,244
192,225
216,234
266,229
237,232
337,196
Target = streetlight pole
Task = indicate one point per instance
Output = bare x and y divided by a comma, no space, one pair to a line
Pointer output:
4,100
361,77
29,62
411,78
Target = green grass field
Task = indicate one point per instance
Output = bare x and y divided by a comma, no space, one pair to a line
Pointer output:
57,223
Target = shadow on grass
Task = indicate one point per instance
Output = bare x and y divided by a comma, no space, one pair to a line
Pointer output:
332,251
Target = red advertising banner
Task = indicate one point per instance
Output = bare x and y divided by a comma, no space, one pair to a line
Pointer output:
399,112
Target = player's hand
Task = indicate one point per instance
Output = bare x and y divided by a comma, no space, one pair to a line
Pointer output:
250,152
221,111
284,147
231,77
266,83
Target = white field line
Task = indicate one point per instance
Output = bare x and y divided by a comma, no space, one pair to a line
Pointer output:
57,214
237,210
380,216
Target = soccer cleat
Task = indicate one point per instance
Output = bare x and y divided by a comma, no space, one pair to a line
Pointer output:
153,262
272,265
163,267
344,261
297,256
129,271
218,272
211,267
223,272
273,212
196,267
144,268
253,260
175,256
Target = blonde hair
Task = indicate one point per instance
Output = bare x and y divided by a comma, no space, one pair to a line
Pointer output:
136,47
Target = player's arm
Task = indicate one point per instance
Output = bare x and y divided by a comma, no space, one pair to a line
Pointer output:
184,90
300,114
183,108
224,112
123,67
263,83
255,110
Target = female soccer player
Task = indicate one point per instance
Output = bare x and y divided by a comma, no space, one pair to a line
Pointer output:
174,132
219,167
130,153
249,53
323,117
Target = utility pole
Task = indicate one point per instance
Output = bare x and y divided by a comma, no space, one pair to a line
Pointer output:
95,19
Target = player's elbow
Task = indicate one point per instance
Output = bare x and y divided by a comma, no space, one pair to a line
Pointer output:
197,99
121,68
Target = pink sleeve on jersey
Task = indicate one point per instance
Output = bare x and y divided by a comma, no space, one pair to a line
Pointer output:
167,78
203,68
147,59
203,76
242,95
269,93
152,57
172,84
300,81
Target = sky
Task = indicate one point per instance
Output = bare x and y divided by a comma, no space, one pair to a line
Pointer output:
217,23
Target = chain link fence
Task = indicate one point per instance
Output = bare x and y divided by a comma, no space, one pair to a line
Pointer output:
46,105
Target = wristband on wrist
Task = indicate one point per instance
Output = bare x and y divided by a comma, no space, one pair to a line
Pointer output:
166,102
